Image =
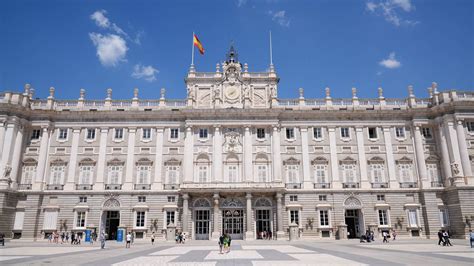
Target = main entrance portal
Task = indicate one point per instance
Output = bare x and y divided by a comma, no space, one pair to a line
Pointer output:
201,226
263,223
112,221
352,222
232,223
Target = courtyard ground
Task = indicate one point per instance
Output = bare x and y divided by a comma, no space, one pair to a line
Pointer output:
263,252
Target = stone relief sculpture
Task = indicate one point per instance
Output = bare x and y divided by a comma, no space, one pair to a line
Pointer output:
455,168
232,143
7,171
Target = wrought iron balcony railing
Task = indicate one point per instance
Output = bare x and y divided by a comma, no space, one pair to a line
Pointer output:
408,185
54,187
142,187
171,186
437,184
113,186
84,187
350,185
380,185
24,186
293,185
322,185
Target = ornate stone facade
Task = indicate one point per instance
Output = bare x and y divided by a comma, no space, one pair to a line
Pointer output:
233,157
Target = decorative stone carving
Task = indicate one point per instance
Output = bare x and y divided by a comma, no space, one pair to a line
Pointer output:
7,171
111,204
455,169
202,203
232,203
263,202
352,203
232,142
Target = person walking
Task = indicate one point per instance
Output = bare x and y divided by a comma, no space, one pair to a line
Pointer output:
153,238
440,238
385,235
228,243
2,239
102,240
394,234
221,244
73,241
471,238
446,239
129,240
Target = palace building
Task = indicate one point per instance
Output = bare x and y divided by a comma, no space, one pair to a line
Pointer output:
233,157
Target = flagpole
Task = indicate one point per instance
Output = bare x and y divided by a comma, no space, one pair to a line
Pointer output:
192,55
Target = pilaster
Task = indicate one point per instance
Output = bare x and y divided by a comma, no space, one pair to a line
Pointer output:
217,153
130,159
215,223
280,232
158,180
71,174
188,155
420,157
16,158
336,182
276,154
43,155
249,235
2,136
465,162
248,154
364,181
185,214
444,155
390,160
101,164
307,184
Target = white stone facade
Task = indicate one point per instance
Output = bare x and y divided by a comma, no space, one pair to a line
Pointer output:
233,157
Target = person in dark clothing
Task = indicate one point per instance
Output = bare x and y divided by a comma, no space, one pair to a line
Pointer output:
446,239
440,238
221,244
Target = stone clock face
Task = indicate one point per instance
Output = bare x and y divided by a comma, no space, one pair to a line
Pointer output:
232,92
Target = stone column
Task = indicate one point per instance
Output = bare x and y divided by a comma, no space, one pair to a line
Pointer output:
364,180
248,155
2,136
188,155
390,160
466,164
185,214
158,179
101,164
336,183
307,184
444,155
276,154
71,174
280,232
215,227
43,155
249,233
130,159
16,158
217,154
453,147
164,219
8,147
420,157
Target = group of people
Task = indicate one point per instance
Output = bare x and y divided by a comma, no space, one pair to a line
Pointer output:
266,235
224,243
65,236
180,238
443,238
369,236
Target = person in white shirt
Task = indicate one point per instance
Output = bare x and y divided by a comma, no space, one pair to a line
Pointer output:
129,240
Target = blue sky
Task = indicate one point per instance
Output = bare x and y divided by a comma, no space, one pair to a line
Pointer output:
317,43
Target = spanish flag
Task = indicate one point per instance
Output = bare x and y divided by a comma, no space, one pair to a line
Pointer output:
198,44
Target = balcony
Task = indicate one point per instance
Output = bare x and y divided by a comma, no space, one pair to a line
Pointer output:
437,184
322,185
293,185
113,186
142,187
408,185
256,186
54,187
84,187
350,185
380,185
171,186
24,186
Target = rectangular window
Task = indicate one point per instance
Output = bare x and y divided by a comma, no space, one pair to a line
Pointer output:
413,218
320,173
174,133
405,172
324,218
443,217
294,217
377,173
232,173
141,199
426,132
293,198
400,132
90,133
146,133
82,199
380,197
57,174
317,133
260,133
262,173
171,199
323,197
345,133
372,132
81,219
35,134
140,222
85,174
170,217
470,126
118,133
62,134
348,171
383,220
115,174
202,174
29,172
203,133
292,172
143,174
433,172
172,174
290,133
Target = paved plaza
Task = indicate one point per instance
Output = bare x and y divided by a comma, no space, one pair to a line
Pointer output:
349,252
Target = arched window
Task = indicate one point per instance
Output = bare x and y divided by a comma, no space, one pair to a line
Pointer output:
203,166
232,169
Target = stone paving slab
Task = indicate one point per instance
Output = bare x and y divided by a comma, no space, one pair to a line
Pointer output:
234,255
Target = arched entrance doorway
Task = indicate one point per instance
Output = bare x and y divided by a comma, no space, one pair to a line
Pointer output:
202,216
353,217
263,218
233,218
110,219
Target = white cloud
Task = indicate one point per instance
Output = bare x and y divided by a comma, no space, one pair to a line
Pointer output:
111,48
144,72
100,19
280,17
390,10
391,62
